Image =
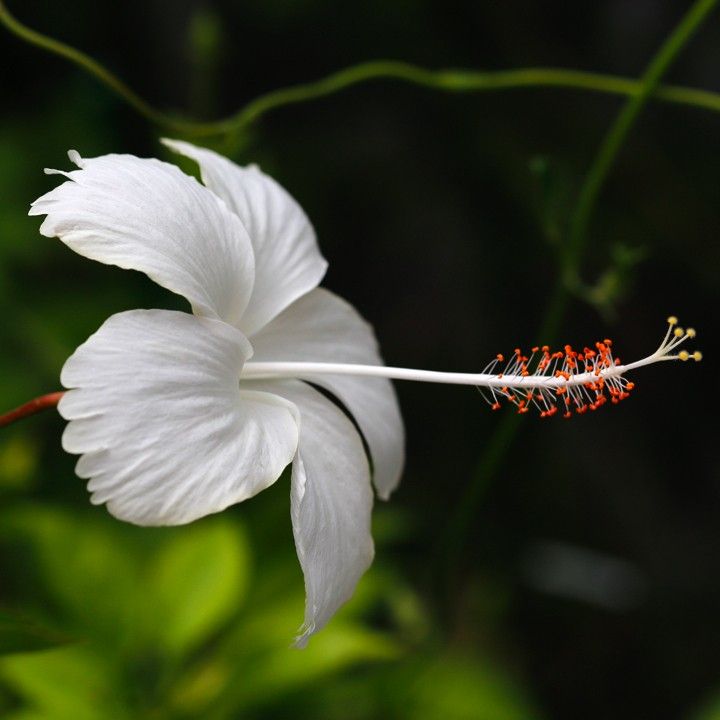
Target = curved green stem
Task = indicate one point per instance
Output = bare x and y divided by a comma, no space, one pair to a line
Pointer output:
619,131
465,81
454,81
88,64
502,439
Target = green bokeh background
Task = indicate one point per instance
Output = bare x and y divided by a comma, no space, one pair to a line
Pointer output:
588,584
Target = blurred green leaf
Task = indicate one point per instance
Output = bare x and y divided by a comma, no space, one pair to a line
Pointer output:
457,688
613,284
709,710
21,635
71,684
255,676
197,582
86,566
18,461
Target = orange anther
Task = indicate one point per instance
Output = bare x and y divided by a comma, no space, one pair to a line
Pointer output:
500,357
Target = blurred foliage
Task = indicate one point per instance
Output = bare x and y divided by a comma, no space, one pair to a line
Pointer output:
443,218
178,623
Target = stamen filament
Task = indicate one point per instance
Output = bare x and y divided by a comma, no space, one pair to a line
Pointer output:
547,381
269,370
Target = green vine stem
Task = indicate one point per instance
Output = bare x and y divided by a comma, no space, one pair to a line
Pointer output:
571,258
452,81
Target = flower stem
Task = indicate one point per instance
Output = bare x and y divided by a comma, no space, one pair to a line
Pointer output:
44,402
446,80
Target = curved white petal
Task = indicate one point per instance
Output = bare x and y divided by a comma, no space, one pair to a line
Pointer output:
331,503
288,262
322,327
165,432
143,214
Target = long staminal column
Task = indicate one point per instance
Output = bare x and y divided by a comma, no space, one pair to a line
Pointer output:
551,382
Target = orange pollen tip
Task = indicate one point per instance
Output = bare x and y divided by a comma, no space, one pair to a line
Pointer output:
556,390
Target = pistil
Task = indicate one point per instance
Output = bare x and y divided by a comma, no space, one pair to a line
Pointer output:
548,381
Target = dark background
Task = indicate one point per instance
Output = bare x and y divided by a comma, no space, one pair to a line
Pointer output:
590,574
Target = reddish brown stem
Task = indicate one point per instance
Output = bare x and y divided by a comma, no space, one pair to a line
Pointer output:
30,408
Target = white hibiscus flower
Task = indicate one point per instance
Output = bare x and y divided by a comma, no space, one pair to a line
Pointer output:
167,425
179,415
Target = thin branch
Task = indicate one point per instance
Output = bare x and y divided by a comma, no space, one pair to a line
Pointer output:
448,80
44,402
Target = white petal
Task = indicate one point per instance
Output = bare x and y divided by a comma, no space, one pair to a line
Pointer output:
331,503
322,327
147,215
166,434
288,262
